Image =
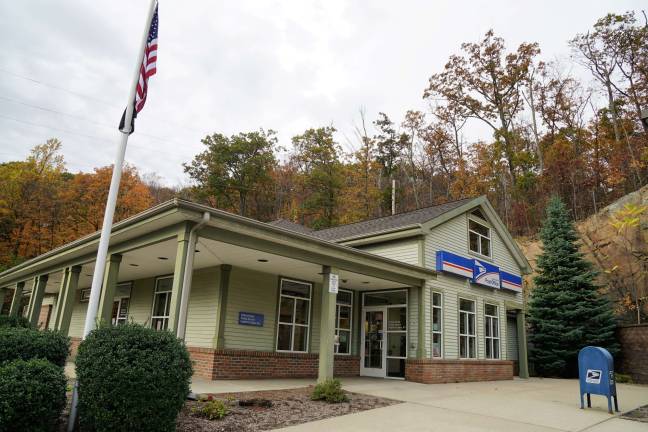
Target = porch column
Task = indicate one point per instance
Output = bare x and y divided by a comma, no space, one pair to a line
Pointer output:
108,288
523,364
226,270
17,298
327,324
178,276
422,325
65,301
36,300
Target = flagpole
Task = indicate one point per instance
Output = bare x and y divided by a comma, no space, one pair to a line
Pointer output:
106,228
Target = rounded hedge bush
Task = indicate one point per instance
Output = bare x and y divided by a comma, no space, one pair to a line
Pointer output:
27,343
32,395
14,321
131,378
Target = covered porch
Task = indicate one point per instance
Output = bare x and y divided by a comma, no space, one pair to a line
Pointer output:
260,302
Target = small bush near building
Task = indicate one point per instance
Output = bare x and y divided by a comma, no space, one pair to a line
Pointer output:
32,395
623,378
131,378
329,391
212,410
14,321
27,343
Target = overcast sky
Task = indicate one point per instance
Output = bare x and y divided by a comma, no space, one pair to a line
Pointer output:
231,66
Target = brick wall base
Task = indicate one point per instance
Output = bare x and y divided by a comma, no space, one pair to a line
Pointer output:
74,346
237,364
428,371
634,352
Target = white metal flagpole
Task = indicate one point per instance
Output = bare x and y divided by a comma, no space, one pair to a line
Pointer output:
106,228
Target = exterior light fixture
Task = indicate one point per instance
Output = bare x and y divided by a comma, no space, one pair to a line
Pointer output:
163,258
262,260
134,265
365,282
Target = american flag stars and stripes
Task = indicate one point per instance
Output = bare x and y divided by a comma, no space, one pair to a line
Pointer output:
147,69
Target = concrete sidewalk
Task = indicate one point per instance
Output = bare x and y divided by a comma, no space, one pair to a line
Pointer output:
519,405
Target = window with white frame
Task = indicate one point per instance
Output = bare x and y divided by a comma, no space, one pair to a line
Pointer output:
343,321
479,238
437,325
294,316
161,303
467,329
491,331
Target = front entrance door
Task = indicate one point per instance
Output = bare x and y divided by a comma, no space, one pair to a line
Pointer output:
373,342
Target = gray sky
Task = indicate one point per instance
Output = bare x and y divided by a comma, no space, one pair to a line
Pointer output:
231,66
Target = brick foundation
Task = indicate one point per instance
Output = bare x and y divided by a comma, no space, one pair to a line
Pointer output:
237,364
634,352
428,371
74,346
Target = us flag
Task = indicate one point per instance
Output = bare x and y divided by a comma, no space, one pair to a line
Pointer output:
147,70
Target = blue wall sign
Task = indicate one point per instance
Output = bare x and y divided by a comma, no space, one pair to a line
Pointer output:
596,375
250,319
478,271
486,274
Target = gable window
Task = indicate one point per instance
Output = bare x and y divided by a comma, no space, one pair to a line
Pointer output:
343,320
491,331
437,347
467,330
161,303
294,316
479,238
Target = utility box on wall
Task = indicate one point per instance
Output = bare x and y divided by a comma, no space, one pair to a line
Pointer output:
596,375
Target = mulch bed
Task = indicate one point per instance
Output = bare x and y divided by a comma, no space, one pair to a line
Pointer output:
289,407
639,414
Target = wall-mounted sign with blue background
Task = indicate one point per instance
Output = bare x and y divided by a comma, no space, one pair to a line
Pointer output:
250,319
478,271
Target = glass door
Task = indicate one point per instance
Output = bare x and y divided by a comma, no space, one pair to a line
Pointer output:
373,349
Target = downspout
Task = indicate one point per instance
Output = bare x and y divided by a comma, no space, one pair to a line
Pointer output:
188,273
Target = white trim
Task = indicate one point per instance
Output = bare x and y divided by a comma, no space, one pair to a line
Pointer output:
337,322
468,336
167,305
293,324
479,236
432,331
492,339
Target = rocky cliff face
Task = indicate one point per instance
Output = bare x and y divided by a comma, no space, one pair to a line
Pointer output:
620,254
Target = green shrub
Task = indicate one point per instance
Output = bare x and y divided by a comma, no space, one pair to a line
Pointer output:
623,378
26,344
212,410
329,391
14,321
131,378
32,395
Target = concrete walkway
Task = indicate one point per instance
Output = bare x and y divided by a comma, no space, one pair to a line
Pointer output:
520,405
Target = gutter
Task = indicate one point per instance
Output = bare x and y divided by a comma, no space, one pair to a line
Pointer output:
188,274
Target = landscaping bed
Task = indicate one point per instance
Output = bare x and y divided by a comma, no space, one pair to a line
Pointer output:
272,409
639,414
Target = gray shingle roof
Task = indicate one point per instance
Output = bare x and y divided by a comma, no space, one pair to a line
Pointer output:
375,225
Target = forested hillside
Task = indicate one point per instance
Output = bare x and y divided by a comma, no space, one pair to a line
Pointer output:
569,127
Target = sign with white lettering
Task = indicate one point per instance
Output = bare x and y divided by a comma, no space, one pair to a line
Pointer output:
251,319
334,283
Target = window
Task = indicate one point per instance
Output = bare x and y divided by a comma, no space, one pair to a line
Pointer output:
294,316
479,238
161,303
437,325
343,320
467,330
491,330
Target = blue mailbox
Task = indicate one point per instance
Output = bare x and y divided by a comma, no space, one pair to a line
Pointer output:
596,375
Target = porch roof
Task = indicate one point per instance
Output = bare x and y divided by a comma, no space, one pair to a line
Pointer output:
162,222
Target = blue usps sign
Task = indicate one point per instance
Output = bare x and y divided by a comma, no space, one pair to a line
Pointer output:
596,375
486,274
251,319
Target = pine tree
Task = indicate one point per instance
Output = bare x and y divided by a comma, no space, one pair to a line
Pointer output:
566,310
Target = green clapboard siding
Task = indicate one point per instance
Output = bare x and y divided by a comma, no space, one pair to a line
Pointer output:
141,301
251,291
203,308
401,250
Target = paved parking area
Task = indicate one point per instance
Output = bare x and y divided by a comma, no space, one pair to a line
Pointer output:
541,405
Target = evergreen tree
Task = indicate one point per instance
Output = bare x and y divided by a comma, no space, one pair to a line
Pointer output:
566,311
